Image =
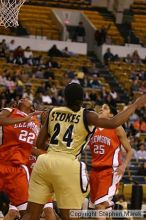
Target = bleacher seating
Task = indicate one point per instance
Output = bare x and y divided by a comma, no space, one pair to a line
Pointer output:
38,21
139,19
67,64
73,4
139,6
139,27
6,31
99,21
122,71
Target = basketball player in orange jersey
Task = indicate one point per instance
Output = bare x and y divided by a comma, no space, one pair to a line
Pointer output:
59,171
16,142
107,169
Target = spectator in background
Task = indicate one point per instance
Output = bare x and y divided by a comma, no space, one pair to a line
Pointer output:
46,98
11,46
141,153
140,125
93,70
2,50
51,63
128,59
134,154
101,35
142,87
38,73
114,97
95,83
28,56
80,32
48,74
143,75
4,44
37,101
28,92
135,85
18,56
80,75
67,53
134,117
54,51
136,58
113,94
75,79
86,81
108,56
142,169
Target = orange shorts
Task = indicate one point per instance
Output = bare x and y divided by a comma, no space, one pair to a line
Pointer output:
14,181
103,185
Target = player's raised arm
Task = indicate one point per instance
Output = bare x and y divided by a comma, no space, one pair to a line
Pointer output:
118,119
5,120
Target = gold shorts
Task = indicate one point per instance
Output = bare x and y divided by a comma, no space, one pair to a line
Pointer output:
61,174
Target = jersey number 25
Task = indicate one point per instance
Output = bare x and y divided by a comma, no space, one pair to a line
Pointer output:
99,149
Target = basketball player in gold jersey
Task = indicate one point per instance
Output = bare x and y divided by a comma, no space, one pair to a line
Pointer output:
59,171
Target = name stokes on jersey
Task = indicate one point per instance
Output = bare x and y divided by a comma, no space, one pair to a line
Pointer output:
66,117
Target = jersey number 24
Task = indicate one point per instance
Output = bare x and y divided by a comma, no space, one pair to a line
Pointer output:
67,137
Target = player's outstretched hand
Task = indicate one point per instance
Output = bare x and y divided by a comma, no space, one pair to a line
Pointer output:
140,102
120,170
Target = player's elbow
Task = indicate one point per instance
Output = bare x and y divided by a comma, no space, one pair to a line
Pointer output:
106,123
114,123
38,143
129,152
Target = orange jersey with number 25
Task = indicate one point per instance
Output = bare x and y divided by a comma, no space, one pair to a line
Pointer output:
105,148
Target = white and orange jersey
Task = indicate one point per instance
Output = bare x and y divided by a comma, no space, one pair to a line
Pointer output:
17,140
105,148
31,162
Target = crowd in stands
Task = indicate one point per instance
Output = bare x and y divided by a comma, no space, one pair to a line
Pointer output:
137,74
133,58
15,83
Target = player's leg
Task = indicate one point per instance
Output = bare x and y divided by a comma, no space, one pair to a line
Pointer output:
70,191
39,190
101,185
17,187
12,214
48,211
33,211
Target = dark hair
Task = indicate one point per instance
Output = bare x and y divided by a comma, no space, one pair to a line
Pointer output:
74,95
113,110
